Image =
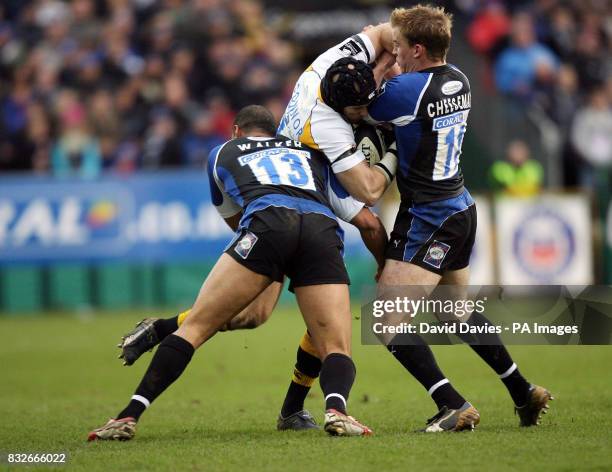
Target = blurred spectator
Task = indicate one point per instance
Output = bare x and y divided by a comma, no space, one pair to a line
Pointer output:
198,143
561,107
223,115
162,146
564,99
592,55
13,125
562,32
104,124
525,63
39,142
591,136
76,152
490,26
519,174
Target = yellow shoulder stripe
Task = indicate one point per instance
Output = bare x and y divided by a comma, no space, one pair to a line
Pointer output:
306,136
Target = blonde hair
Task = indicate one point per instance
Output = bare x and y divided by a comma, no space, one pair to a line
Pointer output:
426,25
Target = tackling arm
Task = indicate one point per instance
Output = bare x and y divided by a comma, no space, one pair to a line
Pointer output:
381,36
373,234
382,40
365,183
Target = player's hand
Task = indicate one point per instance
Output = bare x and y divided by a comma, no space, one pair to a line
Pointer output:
385,64
393,71
388,134
388,65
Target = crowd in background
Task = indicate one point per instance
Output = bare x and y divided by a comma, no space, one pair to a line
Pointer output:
554,57
125,84
90,85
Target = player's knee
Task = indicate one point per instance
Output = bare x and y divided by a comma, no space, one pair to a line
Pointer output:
261,313
250,318
329,346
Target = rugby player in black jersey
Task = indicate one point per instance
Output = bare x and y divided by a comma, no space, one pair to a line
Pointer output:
274,192
435,227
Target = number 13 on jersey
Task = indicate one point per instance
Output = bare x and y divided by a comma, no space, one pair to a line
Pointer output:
281,167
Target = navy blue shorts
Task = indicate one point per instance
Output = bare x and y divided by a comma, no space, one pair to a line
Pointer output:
307,248
437,236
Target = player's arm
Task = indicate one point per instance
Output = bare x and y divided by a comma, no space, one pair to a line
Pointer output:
366,46
386,68
381,37
363,182
373,234
366,184
399,99
229,210
382,42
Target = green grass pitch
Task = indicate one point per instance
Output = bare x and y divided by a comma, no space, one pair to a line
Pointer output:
60,378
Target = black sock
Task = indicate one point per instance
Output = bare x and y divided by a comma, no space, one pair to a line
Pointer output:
491,349
337,377
307,368
517,385
168,363
165,327
415,355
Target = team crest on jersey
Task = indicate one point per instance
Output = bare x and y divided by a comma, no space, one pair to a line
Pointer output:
436,253
245,245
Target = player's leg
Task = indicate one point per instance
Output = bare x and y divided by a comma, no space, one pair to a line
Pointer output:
529,400
149,332
425,239
307,368
320,281
326,311
410,350
227,290
258,312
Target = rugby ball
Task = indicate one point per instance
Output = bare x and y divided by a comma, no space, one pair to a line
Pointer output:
370,141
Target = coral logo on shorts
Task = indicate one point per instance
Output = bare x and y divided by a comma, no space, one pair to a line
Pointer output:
245,245
544,244
436,253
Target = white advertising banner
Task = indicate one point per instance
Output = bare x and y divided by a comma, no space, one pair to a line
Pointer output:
482,267
545,240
